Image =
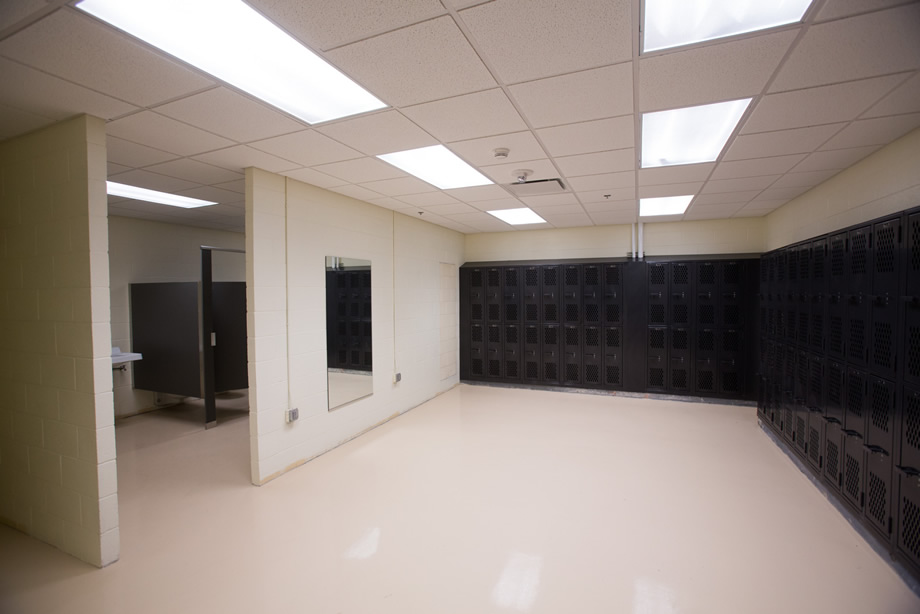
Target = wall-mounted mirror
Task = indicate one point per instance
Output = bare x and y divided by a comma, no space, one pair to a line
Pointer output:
349,354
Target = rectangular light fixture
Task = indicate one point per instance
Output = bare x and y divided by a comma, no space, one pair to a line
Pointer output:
233,42
690,135
517,217
438,166
667,205
152,196
672,23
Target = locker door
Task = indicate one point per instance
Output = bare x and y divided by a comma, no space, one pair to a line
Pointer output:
879,490
910,341
494,355
801,391
883,341
833,455
857,390
511,349
494,295
531,353
854,469
881,416
572,355
477,295
776,406
613,366
815,446
550,291
477,351
804,280
836,326
814,398
817,319
707,298
571,295
886,252
837,254
835,408
912,255
656,377
910,429
658,293
511,294
706,383
789,417
531,294
592,295
613,295
819,265
909,516
592,357
681,294
859,260
763,399
857,342
730,378
551,363
679,372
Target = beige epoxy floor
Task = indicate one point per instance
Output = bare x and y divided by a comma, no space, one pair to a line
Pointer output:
481,500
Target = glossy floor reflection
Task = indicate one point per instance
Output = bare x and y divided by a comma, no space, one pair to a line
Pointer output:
482,500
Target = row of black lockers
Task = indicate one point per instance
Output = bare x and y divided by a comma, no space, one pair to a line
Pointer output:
348,330
572,324
840,366
696,326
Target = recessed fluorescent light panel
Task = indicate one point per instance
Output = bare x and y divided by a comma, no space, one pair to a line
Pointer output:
438,166
671,23
668,205
517,217
152,196
689,135
235,43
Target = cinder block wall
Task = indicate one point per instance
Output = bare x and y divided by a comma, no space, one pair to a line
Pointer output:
57,439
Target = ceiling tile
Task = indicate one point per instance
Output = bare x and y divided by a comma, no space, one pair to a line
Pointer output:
388,203
451,209
237,185
153,181
613,205
597,163
904,99
360,170
14,122
745,212
765,206
195,171
504,173
720,198
132,154
714,212
481,221
834,9
600,196
399,187
804,180
670,189
576,97
307,148
49,96
239,157
589,137
605,218
462,4
112,168
209,192
470,116
378,133
13,13
427,61
781,193
819,105
626,179
429,199
835,159
856,48
522,146
478,193
356,191
313,177
548,40
164,133
675,174
231,115
566,199
780,142
323,24
571,220
739,185
495,205
712,73
877,131
457,226
754,168
76,47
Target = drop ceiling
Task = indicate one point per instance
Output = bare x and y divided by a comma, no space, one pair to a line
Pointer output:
561,85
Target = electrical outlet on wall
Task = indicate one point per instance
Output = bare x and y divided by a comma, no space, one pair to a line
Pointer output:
397,378
291,414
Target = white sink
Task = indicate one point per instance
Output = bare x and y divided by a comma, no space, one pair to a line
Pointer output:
119,357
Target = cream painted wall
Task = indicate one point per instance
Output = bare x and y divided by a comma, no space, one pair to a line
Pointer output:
142,251
290,228
58,478
731,236
886,182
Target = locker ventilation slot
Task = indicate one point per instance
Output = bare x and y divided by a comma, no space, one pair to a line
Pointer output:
592,313
571,312
855,396
707,274
494,335
731,341
511,368
531,277
476,312
800,429
613,337
679,379
885,248
550,313
612,276
881,345
495,313
613,375
732,316
476,366
592,374
531,336
912,421
838,251
656,274
679,340
732,273
493,278
656,377
549,371
613,313
833,460
549,276
680,274
592,337
532,370
704,380
730,383
858,253
851,477
511,312
656,314
511,334
681,314
915,243
857,339
706,341
910,527
880,405
495,368
530,313
550,336
707,314
814,445
836,335
476,279
571,276
571,373
591,276
656,338
511,278
571,335
476,334
877,499
913,351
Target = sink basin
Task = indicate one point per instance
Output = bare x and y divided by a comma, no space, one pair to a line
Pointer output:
119,357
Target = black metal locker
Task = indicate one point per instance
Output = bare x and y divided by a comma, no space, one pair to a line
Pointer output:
859,259
531,294
657,358
788,416
680,374
706,380
493,295
819,266
836,326
681,289
910,429
886,252
511,352
776,406
879,490
531,353
803,320
550,290
857,342
833,455
835,407
592,295
706,343
511,294
730,377
477,350
593,357
837,255
572,355
613,348
909,516
910,340
658,293
551,364
477,295
814,397
571,295
857,390
763,398
912,255
494,355
883,336
815,446
613,295
817,318
731,275
881,414
854,467
802,372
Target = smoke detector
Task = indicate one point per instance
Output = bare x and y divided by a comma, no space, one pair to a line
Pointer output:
537,187
501,152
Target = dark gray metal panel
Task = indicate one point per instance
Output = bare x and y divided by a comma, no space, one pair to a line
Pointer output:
164,328
229,324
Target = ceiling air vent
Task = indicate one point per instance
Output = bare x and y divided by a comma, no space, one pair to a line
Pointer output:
537,187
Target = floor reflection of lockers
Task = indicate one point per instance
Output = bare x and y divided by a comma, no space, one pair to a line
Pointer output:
840,341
